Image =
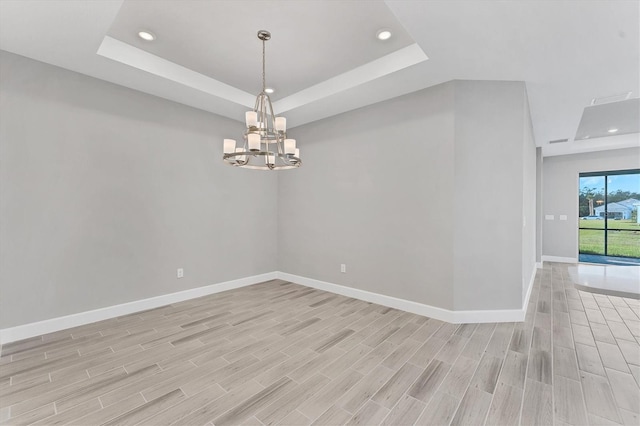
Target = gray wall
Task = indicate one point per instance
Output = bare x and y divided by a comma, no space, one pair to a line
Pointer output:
529,201
491,132
434,224
105,191
539,209
375,193
560,194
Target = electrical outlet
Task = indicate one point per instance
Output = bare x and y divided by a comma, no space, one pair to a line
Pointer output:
180,273
343,268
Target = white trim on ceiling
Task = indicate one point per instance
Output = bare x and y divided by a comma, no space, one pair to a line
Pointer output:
132,56
388,64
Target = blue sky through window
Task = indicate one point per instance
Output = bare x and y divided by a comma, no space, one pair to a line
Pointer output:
629,183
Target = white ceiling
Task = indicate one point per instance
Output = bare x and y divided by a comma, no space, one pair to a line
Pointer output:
219,43
323,58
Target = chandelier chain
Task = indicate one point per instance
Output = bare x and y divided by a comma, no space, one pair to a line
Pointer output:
264,84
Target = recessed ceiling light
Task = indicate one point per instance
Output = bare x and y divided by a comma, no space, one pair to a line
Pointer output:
146,35
612,130
383,34
269,90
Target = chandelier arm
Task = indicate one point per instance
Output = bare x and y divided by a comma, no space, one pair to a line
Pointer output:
288,162
264,118
272,116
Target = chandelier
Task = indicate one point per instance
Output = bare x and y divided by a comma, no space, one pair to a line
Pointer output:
265,145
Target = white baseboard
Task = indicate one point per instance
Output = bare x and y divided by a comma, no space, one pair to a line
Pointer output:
539,265
525,302
69,321
559,259
26,331
455,317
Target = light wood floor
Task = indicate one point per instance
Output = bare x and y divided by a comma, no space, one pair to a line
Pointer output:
280,353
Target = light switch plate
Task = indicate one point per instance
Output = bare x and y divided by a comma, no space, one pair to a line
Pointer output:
549,217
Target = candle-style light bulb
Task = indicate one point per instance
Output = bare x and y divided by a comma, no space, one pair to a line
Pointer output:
254,141
229,146
289,146
251,118
281,124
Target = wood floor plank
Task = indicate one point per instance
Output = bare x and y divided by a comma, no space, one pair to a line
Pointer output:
373,358
295,418
288,403
123,392
476,346
217,407
611,357
358,395
371,414
66,417
582,334
193,381
329,395
427,352
428,382
563,336
143,411
105,414
486,376
389,394
625,390
281,353
589,359
309,368
256,402
457,380
620,331
291,364
34,400
505,406
206,401
500,339
521,339
564,363
30,417
630,351
244,374
473,408
569,401
340,365
537,404
406,412
514,369
332,416
440,410
599,397
427,330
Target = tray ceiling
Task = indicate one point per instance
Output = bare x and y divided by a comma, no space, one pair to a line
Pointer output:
324,59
